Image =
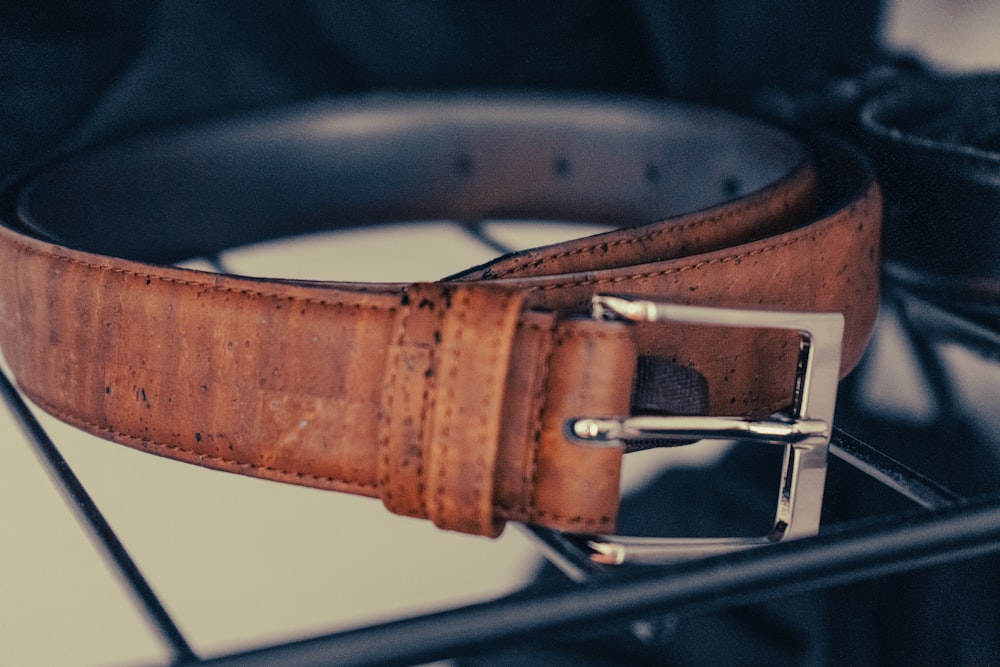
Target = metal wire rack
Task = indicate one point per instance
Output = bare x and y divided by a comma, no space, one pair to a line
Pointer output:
941,527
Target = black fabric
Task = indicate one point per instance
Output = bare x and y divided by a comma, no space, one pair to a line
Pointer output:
74,72
662,387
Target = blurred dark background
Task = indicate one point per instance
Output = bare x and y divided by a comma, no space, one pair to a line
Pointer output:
75,71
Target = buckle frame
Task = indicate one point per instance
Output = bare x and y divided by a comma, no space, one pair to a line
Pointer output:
804,429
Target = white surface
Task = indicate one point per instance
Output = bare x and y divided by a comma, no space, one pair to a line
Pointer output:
59,604
956,35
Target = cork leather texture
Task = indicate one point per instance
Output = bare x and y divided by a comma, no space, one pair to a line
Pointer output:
446,400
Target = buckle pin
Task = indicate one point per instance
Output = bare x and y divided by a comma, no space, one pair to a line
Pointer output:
804,430
775,431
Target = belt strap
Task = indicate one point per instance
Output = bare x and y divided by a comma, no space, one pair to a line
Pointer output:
446,400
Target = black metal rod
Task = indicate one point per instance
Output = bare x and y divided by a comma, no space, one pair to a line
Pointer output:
216,263
100,531
900,478
890,545
564,553
477,230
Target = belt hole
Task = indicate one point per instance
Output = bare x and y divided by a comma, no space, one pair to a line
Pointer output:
463,165
731,186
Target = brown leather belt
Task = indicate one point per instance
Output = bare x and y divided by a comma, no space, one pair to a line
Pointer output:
447,400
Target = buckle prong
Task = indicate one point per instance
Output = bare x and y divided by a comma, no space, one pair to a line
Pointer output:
776,431
804,430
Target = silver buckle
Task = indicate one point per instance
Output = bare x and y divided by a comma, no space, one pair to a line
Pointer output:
804,430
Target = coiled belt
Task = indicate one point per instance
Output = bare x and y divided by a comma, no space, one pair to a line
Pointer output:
466,400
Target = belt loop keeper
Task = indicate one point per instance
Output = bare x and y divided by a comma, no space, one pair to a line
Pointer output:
592,368
442,403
